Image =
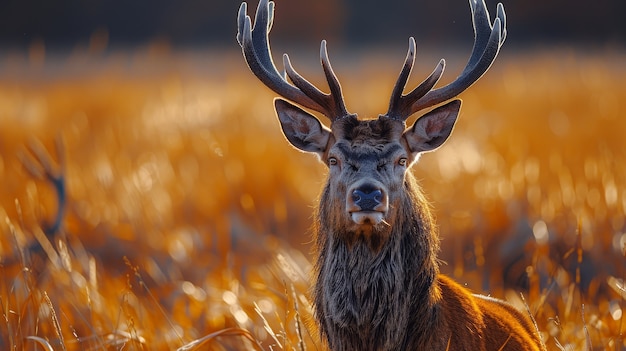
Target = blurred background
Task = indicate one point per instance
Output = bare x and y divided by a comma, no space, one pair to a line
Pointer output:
199,23
186,213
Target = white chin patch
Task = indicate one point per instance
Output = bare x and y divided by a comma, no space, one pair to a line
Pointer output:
367,217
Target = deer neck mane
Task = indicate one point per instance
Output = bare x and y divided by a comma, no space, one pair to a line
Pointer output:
366,298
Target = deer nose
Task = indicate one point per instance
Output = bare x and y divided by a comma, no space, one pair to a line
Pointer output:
367,197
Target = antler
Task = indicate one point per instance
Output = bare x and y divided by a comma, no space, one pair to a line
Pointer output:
488,39
38,162
255,46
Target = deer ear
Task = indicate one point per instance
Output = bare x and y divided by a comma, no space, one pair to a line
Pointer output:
432,129
302,129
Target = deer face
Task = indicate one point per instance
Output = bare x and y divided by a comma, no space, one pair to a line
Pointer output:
367,160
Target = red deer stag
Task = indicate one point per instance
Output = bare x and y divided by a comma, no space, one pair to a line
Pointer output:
377,284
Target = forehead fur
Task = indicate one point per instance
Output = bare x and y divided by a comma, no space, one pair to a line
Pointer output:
374,132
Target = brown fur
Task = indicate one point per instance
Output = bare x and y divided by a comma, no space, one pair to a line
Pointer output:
395,299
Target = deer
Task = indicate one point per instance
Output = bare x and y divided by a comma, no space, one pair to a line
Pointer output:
377,284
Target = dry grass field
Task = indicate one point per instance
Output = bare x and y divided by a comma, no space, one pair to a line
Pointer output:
186,217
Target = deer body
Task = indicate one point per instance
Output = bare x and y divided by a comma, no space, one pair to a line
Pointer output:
395,299
380,289
377,284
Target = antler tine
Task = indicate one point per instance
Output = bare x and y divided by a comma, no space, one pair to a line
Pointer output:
488,39
396,94
255,46
333,102
400,105
335,96
483,29
502,16
487,42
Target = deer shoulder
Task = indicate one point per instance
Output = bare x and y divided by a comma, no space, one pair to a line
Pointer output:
477,322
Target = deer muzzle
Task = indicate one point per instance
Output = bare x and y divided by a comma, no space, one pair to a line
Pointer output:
367,204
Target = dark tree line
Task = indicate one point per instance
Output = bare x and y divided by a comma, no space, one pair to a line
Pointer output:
68,23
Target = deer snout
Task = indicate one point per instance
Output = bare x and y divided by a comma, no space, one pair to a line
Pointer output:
367,203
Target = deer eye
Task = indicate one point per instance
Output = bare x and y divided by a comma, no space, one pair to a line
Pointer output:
332,161
402,161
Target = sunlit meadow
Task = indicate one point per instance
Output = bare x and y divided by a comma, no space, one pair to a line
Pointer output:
187,214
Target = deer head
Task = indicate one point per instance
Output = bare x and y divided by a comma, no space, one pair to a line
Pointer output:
368,159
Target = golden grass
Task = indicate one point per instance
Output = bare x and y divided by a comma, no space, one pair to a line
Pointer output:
188,213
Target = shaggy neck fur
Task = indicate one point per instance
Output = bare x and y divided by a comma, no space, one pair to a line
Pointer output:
367,299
